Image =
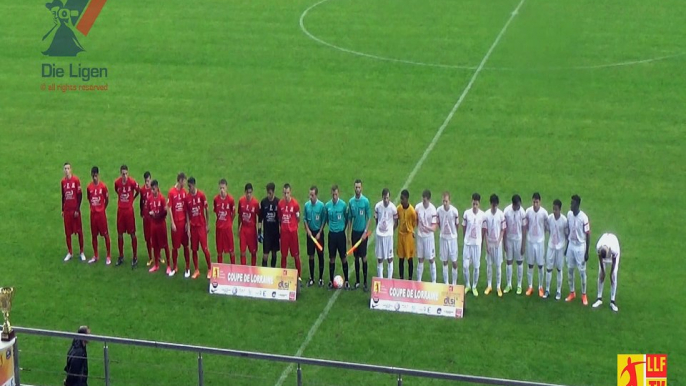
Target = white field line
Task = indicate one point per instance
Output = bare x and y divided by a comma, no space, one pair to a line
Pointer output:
315,327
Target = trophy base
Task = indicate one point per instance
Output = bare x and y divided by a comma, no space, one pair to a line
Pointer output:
6,337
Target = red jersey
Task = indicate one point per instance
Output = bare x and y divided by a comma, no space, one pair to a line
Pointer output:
157,206
145,193
196,205
98,197
71,194
127,192
289,213
176,201
248,211
225,209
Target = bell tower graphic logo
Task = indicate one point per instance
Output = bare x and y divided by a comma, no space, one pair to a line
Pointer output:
70,17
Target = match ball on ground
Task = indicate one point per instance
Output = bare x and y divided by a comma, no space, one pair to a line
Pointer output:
338,281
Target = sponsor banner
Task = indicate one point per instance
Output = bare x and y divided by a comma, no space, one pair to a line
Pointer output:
7,363
254,282
417,297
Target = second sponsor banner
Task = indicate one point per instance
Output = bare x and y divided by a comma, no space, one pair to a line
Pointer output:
417,297
254,282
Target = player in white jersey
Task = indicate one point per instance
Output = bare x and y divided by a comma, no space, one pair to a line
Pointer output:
495,226
472,224
577,248
448,223
386,216
557,228
534,235
608,256
427,222
514,220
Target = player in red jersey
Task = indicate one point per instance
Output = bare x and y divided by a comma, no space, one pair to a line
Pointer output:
289,216
71,209
176,206
225,209
248,209
98,198
146,190
127,190
155,206
196,205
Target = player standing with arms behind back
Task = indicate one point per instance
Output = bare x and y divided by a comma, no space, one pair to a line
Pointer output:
98,198
196,204
608,255
534,234
337,218
146,190
127,190
386,215
448,223
156,207
315,214
514,221
495,225
225,209
557,228
407,219
427,222
359,215
577,247
472,224
248,209
289,216
71,209
176,206
269,221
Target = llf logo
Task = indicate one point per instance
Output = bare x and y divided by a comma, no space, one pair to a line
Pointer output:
68,16
642,370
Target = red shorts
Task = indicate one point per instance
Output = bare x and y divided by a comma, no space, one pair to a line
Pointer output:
289,242
72,224
126,221
147,230
180,237
248,240
158,235
98,224
224,239
198,236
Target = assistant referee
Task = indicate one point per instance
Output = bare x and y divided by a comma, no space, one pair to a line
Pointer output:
360,215
314,226
337,218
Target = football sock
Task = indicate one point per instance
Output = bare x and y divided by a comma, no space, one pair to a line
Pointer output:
530,276
134,245
332,269
390,269
321,267
541,278
120,245
107,245
508,272
583,281
187,256
220,258
69,245
445,273
548,279
489,272
401,265
357,269
613,289
195,261
570,279
454,276
298,266
80,242
148,247
432,267
157,257
498,276
232,258
253,260
175,256
601,284
520,274
364,271
166,255
94,240
273,262
465,273
265,261
244,261
476,276
284,261
559,280
420,271
345,271
410,268
311,263
379,270
208,260
175,261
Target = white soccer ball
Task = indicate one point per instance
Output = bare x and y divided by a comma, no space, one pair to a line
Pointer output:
338,281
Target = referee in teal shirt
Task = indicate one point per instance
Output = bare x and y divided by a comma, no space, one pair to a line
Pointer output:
337,219
359,215
315,214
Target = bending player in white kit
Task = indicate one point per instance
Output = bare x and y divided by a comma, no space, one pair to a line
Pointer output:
448,223
577,248
514,219
558,230
472,223
608,256
427,221
495,226
386,216
534,234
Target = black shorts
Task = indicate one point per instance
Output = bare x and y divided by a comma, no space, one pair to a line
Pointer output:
361,251
311,248
336,244
270,243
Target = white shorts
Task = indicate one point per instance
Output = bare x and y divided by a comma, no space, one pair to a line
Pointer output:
575,258
426,247
384,247
471,254
513,249
555,259
494,254
448,250
535,253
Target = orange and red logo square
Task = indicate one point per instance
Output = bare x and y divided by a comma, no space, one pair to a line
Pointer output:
642,370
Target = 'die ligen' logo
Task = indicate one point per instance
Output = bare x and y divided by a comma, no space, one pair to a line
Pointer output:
70,16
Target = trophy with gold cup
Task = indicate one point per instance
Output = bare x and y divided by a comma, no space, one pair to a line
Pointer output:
6,295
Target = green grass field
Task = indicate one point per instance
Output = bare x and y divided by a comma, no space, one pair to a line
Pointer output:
235,89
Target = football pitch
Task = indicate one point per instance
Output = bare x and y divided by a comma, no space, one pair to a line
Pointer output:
500,96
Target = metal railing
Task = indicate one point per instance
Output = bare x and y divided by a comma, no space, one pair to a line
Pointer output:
295,360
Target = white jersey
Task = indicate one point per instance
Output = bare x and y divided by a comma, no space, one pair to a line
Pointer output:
514,220
609,240
426,217
579,226
473,224
558,230
535,224
386,217
447,221
494,224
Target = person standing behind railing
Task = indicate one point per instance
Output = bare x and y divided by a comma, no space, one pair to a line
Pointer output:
77,361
